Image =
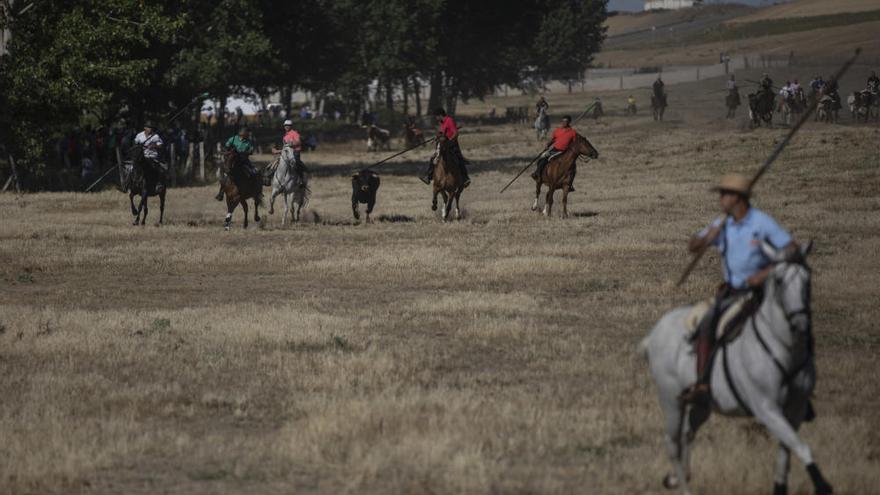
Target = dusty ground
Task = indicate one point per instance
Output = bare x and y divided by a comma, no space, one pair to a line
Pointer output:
492,355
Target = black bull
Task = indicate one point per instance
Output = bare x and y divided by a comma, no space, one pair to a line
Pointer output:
364,186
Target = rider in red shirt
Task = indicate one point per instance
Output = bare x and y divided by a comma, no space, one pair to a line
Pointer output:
560,140
448,132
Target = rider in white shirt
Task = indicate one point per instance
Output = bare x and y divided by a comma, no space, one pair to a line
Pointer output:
151,142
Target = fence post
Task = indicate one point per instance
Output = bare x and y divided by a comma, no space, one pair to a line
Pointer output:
698,73
202,161
172,164
188,168
119,164
12,178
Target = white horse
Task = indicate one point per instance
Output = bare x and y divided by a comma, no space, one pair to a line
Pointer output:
767,372
542,124
287,182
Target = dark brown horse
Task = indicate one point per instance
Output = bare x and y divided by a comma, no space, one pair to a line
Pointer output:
145,179
448,180
239,186
559,172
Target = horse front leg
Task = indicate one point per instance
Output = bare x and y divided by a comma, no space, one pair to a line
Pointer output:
161,207
434,201
565,200
548,202
537,194
285,196
134,211
457,208
230,208
275,192
444,211
244,208
784,431
143,207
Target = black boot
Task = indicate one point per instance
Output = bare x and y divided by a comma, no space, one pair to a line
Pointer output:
571,180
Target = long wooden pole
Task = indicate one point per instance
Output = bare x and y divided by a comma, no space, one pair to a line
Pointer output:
402,152
766,166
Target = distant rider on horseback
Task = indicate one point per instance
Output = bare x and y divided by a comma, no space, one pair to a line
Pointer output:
873,83
658,88
448,132
541,105
745,265
559,141
244,146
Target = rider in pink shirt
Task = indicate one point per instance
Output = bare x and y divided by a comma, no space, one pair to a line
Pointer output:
294,141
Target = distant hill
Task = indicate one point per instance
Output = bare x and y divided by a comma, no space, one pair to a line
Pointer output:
809,8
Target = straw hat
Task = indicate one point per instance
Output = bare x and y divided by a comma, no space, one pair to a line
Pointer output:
734,183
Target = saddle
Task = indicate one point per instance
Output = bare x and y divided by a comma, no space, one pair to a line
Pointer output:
730,323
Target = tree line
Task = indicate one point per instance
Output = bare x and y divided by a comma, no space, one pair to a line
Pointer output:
102,61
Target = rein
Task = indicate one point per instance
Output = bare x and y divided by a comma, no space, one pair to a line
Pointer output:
787,375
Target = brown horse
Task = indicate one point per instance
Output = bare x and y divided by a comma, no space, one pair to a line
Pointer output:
559,172
448,180
239,186
145,179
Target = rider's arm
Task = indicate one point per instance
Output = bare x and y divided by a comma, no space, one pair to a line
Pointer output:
706,237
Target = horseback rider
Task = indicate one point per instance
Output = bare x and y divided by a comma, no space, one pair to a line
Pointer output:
786,92
152,144
658,88
731,84
448,132
744,264
293,140
244,146
873,83
830,90
766,83
542,104
560,141
817,83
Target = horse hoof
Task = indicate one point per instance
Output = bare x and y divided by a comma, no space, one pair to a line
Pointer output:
433,207
779,489
670,482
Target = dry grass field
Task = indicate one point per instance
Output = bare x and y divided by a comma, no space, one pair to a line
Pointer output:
491,355
808,8
825,44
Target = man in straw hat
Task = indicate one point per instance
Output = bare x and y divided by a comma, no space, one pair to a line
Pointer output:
738,237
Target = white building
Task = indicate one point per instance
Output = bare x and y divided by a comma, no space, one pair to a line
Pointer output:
670,4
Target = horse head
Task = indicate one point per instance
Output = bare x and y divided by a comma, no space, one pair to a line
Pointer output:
584,147
230,159
789,283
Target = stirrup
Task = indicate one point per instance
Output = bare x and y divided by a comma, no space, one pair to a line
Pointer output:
426,180
697,393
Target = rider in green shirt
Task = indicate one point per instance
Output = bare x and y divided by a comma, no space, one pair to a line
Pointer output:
244,145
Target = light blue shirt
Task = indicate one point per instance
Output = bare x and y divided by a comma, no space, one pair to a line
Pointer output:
740,245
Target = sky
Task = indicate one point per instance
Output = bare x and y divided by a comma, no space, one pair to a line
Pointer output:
637,5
